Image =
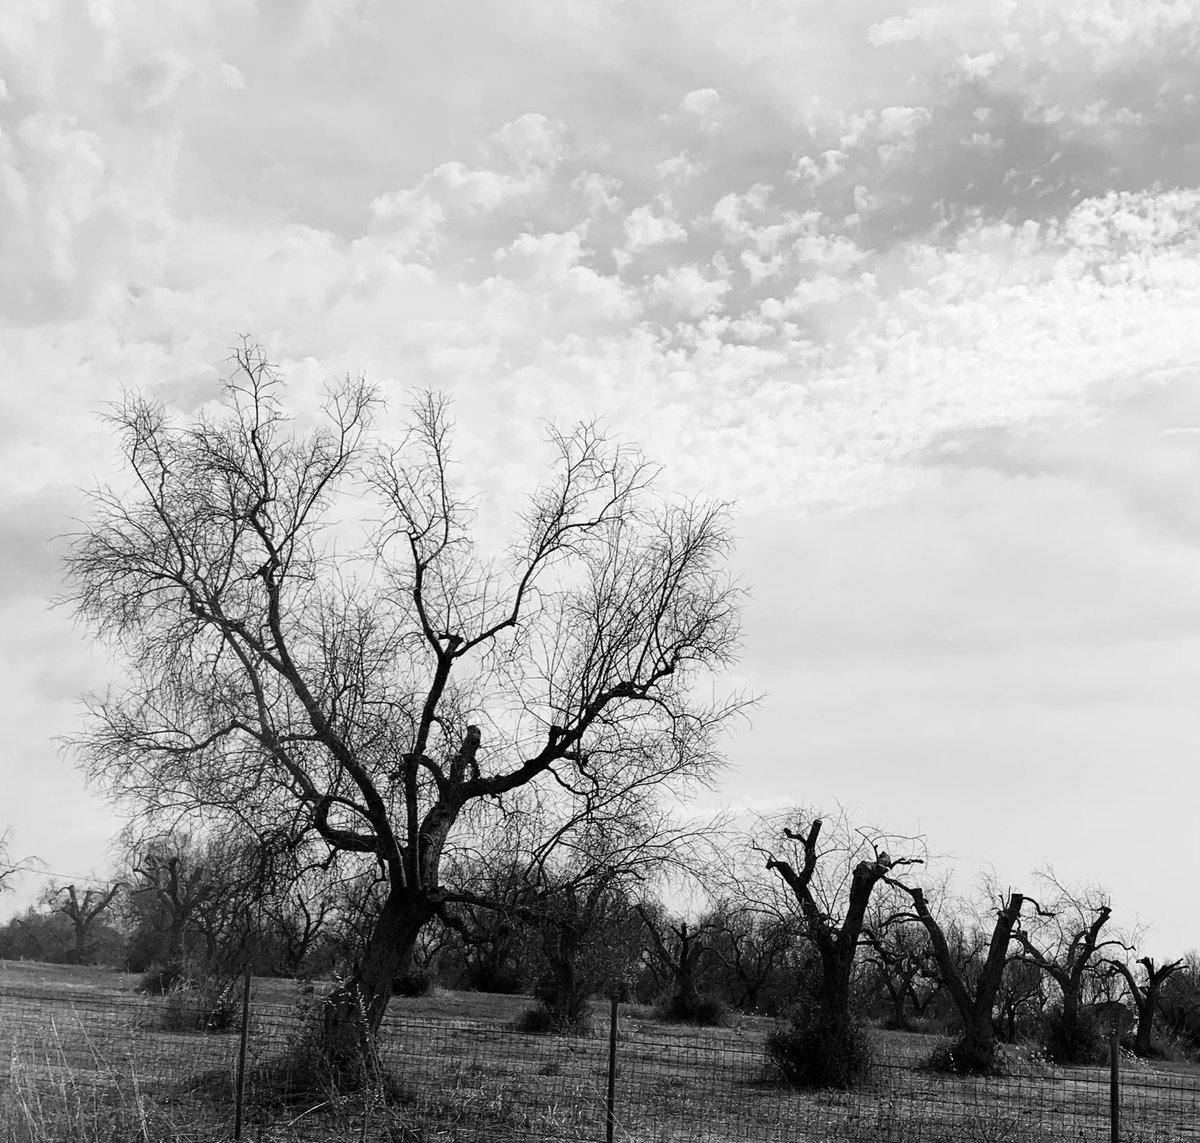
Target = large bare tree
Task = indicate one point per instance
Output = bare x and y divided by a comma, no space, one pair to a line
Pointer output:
383,694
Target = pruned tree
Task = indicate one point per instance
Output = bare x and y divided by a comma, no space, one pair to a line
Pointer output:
83,913
834,916
377,694
1146,996
1063,940
973,992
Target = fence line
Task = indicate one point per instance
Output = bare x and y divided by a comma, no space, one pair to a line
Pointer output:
464,1079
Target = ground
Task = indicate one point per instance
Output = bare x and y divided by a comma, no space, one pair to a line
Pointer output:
84,1056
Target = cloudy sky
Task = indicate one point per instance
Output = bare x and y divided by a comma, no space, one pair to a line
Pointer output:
917,287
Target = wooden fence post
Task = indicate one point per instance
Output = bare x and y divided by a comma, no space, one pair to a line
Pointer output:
241,1070
1114,1082
611,1108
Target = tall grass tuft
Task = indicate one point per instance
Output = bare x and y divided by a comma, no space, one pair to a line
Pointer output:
50,1097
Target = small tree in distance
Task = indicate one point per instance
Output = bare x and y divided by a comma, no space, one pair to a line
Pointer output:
83,913
677,950
370,700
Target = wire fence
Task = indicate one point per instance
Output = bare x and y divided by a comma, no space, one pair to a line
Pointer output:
112,1067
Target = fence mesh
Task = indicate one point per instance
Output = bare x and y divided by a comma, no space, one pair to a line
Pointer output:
83,1066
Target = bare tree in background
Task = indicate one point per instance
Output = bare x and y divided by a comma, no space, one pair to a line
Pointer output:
378,694
676,949
753,949
83,913
574,872
175,884
1145,995
903,964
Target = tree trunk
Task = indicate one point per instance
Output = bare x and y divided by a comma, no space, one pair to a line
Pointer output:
975,1051
563,1001
355,1009
899,1015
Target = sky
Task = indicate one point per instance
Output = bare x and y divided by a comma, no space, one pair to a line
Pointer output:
917,288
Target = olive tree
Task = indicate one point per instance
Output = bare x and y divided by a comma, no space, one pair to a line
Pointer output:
1064,939
973,991
832,885
378,691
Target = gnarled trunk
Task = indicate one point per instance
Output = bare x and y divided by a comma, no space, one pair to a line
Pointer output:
975,1051
355,1009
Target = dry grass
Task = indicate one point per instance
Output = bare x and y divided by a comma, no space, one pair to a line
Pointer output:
83,1058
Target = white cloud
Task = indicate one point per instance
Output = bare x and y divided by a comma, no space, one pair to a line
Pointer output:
917,25
689,291
599,191
231,76
704,105
680,168
541,257
532,142
644,228
979,66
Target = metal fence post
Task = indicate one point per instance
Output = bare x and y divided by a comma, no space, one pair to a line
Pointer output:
611,1110
241,1071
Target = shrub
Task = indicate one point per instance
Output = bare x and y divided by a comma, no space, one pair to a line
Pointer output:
955,1058
706,1011
541,1020
415,983
160,979
537,1020
806,1052
204,1005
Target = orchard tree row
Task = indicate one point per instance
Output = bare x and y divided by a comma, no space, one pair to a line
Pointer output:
758,937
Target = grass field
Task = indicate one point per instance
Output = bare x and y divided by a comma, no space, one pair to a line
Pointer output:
84,1057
